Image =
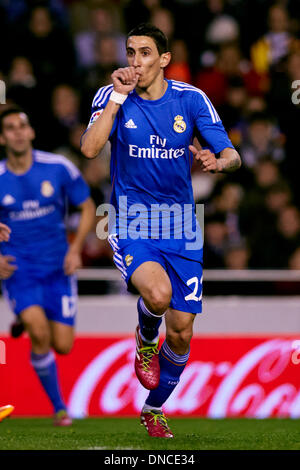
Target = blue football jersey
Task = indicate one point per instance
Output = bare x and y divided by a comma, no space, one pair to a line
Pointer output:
34,206
150,159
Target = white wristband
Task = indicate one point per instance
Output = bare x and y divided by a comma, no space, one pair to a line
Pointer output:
118,98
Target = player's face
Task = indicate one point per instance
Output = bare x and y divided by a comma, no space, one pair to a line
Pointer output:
142,54
17,134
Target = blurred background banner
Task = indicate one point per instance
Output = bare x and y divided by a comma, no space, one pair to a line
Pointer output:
233,376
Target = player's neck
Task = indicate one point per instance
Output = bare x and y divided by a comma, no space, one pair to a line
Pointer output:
19,164
155,91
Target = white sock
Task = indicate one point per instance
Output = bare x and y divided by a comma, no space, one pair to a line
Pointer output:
146,341
151,408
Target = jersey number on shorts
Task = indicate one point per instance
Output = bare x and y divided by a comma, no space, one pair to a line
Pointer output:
193,295
68,306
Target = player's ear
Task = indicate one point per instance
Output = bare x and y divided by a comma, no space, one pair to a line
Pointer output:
165,59
32,133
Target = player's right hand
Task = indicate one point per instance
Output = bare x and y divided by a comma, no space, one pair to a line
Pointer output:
125,80
7,269
4,233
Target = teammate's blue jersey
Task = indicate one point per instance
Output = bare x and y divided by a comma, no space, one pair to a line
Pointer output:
150,159
34,206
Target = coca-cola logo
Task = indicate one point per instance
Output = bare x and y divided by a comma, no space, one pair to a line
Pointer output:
262,382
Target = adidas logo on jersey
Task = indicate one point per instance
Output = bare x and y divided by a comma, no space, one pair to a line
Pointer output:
8,200
130,124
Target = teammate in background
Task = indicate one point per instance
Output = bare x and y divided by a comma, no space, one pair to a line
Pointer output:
5,410
151,123
36,264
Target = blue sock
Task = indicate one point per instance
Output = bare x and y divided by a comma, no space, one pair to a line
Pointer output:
148,321
171,367
45,367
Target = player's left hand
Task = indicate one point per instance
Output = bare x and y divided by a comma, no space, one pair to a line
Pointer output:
206,158
72,262
4,233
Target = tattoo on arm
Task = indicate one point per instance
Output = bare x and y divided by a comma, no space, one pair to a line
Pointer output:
229,163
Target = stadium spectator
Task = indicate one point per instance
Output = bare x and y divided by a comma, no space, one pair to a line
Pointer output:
71,148
16,11
284,104
138,11
278,196
163,19
263,139
275,44
229,64
237,255
233,109
22,86
106,60
48,47
65,114
228,203
104,22
215,241
97,251
179,68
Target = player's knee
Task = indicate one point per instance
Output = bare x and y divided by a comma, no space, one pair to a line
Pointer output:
62,347
40,337
159,299
179,340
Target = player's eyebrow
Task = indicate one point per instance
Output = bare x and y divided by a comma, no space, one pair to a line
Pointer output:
143,48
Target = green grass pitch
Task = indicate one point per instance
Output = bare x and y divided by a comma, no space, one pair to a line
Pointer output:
127,433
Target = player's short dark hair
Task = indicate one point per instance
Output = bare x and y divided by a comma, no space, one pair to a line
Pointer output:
8,112
260,116
148,29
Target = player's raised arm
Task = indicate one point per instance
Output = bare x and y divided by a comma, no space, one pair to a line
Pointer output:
93,141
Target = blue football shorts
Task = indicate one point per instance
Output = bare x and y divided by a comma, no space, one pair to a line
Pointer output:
55,292
185,271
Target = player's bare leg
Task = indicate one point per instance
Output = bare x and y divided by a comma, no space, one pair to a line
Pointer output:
62,337
173,356
43,360
153,284
179,330
37,326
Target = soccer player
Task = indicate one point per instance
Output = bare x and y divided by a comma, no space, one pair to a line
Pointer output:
37,267
151,123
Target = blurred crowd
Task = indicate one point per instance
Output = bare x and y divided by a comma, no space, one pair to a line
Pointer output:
245,54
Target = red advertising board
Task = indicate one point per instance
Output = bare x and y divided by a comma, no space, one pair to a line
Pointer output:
225,376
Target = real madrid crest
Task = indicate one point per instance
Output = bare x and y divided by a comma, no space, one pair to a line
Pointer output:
179,124
128,260
47,189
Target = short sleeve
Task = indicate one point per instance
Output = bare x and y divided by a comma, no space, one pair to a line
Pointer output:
75,188
99,102
209,123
